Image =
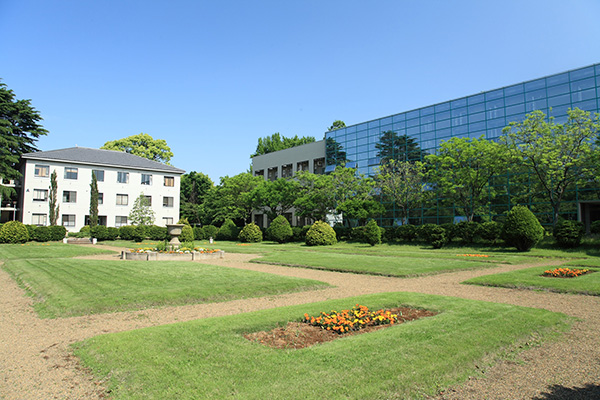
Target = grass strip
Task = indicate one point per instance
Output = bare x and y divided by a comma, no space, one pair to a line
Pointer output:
530,278
210,358
47,250
66,287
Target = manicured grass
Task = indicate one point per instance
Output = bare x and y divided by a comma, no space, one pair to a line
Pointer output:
373,265
531,278
47,250
210,358
67,287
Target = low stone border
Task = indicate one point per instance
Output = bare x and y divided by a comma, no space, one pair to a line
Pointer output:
155,256
80,240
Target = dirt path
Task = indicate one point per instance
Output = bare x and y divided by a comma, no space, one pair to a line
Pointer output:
35,362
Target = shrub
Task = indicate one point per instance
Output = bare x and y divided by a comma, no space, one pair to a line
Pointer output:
372,233
139,233
58,232
300,233
521,229
30,230
320,234
210,231
451,231
99,232
187,234
228,231
595,227
406,232
280,230
437,236
358,234
389,234
127,232
425,231
467,231
342,232
155,232
112,233
490,231
568,233
251,233
85,230
14,232
199,233
42,234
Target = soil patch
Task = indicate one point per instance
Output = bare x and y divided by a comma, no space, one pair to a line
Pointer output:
298,335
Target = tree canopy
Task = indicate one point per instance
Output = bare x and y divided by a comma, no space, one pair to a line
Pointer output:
19,130
142,145
337,124
392,146
402,182
276,142
195,188
141,212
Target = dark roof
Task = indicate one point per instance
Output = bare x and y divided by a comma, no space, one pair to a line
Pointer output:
110,158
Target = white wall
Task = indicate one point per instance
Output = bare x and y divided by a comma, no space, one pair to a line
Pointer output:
109,187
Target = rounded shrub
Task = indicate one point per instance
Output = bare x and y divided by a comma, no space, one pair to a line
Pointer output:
198,233
521,229
187,234
451,231
155,232
595,227
85,230
228,231
127,232
300,233
342,232
320,234
139,233
42,234
210,231
490,231
30,230
437,236
280,230
425,231
372,233
58,232
14,232
406,233
467,231
568,234
358,234
251,233
99,232
112,233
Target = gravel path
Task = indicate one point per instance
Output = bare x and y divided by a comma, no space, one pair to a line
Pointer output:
35,362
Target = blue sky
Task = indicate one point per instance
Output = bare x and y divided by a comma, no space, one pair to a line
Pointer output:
211,77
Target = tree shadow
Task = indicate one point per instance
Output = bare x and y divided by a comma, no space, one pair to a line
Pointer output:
560,392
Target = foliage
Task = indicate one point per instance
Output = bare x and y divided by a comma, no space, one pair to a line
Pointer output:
342,232
58,232
357,318
425,231
402,182
195,187
461,171
372,234
232,198
210,231
94,201
187,234
566,272
142,145
251,233
275,198
568,234
521,229
101,232
52,199
19,130
437,237
127,232
198,233
276,142
139,233
490,231
30,230
334,152
280,230
451,230
406,233
398,148
559,155
14,232
337,124
141,212
595,227
155,232
228,231
85,229
360,210
320,234
467,231
42,234
300,233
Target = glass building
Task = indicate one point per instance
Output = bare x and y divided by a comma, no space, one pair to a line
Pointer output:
487,113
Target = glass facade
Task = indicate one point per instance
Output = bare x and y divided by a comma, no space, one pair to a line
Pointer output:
416,133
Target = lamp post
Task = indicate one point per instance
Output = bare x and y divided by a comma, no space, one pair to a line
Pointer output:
14,210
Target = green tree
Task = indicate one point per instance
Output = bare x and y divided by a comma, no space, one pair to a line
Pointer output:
402,183
142,145
94,201
392,146
276,197
53,201
141,212
232,198
337,124
461,171
19,130
334,152
276,142
558,155
195,187
360,209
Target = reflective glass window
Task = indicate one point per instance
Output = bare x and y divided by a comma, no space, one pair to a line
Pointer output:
478,98
413,131
412,122
583,84
330,135
496,94
536,105
351,129
476,117
498,103
558,100
427,127
535,85
535,95
589,105
560,110
374,124
582,73
442,107
476,108
460,130
70,173
386,121
493,133
442,124
362,142
477,126
444,132
496,123
412,114
428,135
458,103
426,111
495,113
399,117
598,69
512,90
558,90
350,137
99,174
427,119
442,115
459,112
519,108
372,132
399,125
558,79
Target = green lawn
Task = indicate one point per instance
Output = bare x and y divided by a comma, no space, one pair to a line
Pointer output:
47,250
531,278
210,358
68,287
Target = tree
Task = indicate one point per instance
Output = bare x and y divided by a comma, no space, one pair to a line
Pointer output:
94,201
195,187
461,171
276,197
392,146
402,182
337,124
335,153
53,201
276,142
19,130
360,210
141,212
558,155
232,198
142,145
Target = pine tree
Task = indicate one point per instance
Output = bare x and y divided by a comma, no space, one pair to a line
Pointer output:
53,203
94,201
141,213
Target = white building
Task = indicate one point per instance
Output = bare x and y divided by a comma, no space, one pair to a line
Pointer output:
122,177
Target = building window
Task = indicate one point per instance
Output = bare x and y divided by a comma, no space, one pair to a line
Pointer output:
167,202
319,166
146,179
39,219
99,174
302,166
40,194
120,221
122,199
168,220
100,198
260,173
169,181
42,171
272,173
68,220
286,171
148,200
123,177
69,196
70,173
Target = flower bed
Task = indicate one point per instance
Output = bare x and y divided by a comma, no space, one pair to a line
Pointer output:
472,255
565,272
181,254
351,320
